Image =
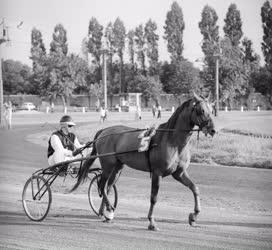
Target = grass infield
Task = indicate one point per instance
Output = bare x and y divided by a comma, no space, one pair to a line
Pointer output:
243,139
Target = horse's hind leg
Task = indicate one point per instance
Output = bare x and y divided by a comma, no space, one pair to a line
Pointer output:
183,177
105,187
153,200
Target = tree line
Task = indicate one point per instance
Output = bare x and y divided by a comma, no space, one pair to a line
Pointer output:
133,60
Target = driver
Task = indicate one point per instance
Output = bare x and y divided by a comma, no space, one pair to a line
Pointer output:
63,142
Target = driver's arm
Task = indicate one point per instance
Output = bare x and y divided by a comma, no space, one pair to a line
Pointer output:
77,144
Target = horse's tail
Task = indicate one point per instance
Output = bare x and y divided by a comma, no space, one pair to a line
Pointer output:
84,170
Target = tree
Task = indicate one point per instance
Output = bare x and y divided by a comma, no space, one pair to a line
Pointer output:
131,46
16,78
77,71
59,83
250,59
95,33
84,49
149,86
38,57
59,43
209,29
185,79
233,75
249,55
261,82
167,70
152,47
37,48
119,36
210,45
96,89
140,47
233,25
266,13
110,45
174,27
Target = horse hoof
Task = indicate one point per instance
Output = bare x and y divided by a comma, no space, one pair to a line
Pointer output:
107,221
192,219
109,215
152,228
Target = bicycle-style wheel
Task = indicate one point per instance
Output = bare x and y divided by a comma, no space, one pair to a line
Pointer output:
36,198
95,195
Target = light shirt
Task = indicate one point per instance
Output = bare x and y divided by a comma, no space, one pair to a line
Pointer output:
61,153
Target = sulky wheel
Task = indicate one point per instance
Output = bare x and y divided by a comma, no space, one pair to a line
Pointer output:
36,198
95,195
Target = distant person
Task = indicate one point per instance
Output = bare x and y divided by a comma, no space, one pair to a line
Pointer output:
8,114
103,114
52,107
138,114
154,111
159,112
63,142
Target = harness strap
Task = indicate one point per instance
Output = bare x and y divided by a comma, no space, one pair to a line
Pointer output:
148,162
148,158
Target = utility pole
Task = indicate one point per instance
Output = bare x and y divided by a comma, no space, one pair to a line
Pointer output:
104,51
104,58
217,84
4,37
2,41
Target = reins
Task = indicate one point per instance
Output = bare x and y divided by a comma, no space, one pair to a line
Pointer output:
143,129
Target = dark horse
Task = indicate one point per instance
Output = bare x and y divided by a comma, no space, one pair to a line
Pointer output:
168,153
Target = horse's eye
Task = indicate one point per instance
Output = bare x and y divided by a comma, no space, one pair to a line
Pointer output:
200,112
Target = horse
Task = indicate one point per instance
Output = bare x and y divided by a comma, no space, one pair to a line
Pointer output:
168,154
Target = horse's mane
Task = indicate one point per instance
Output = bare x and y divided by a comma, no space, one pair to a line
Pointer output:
170,124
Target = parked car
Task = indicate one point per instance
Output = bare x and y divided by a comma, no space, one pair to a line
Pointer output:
28,106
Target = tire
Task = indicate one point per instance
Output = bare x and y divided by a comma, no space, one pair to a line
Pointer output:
95,195
36,209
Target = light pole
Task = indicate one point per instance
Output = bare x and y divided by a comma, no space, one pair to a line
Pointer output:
104,76
4,38
217,56
2,41
104,51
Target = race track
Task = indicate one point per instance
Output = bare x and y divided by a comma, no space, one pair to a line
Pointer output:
236,208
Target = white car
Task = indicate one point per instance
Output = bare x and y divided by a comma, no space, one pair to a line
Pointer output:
28,106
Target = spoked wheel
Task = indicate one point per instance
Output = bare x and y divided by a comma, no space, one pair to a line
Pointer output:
95,195
36,198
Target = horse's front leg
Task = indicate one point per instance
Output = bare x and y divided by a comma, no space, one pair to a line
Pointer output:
183,177
153,199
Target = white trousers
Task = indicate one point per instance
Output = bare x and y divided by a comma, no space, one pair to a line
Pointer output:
58,157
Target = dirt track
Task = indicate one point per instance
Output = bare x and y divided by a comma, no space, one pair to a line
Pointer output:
236,208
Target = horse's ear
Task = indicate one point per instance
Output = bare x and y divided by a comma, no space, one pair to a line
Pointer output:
198,98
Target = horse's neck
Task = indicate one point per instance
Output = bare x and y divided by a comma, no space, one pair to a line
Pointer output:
178,135
182,134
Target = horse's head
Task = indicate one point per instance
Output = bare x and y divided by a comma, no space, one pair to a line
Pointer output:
202,115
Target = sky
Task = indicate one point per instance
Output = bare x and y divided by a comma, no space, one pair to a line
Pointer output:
75,15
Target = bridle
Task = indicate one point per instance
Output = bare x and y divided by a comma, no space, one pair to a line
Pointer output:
200,122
